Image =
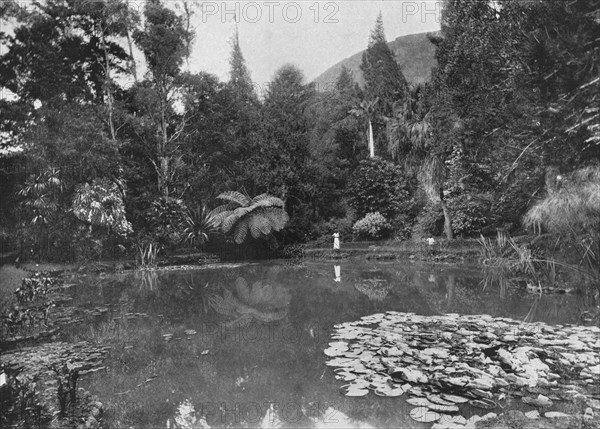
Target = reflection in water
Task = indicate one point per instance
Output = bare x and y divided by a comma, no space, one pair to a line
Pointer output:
374,289
186,418
274,417
337,271
532,310
450,285
279,356
334,419
261,302
261,294
146,280
271,419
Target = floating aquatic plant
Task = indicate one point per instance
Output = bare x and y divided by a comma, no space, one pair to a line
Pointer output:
446,363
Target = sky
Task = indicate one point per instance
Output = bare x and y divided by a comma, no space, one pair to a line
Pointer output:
314,35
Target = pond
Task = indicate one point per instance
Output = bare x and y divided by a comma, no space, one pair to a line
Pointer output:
241,345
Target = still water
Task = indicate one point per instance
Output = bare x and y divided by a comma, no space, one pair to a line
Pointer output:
241,345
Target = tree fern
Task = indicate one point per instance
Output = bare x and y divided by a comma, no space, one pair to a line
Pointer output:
260,215
235,197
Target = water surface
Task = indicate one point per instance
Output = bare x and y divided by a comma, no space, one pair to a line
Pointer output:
241,345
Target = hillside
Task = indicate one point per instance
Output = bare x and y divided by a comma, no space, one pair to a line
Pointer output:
415,54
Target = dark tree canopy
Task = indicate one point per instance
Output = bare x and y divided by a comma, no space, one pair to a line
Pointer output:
383,77
239,76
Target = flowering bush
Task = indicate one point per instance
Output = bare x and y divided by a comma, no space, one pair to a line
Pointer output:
101,208
101,204
372,226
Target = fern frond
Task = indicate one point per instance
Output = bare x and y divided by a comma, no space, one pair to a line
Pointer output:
259,225
277,217
266,200
235,197
219,218
241,231
229,222
240,212
224,208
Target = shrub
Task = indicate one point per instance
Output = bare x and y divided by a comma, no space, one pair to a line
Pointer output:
402,226
167,219
378,186
372,226
100,208
101,205
571,211
430,222
200,225
469,215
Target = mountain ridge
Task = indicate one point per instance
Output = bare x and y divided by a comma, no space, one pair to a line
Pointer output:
414,53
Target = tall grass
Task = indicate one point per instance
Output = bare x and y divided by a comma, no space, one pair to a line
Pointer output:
504,260
147,254
571,211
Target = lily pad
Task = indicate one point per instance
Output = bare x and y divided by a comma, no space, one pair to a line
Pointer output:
454,398
390,392
541,401
533,414
410,375
556,415
346,376
449,422
357,392
486,404
418,402
437,399
424,415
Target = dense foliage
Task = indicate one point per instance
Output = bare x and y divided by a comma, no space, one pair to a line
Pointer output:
514,95
379,185
373,226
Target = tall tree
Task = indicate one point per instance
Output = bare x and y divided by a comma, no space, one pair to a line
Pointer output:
280,160
513,83
383,77
239,76
165,42
105,21
55,54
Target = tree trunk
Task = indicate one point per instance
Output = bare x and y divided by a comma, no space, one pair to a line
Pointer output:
447,221
108,89
371,142
132,64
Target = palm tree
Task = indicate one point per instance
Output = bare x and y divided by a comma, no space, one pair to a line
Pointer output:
411,131
366,110
260,215
433,176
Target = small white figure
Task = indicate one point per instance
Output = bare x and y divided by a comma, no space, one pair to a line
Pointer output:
338,273
431,241
336,240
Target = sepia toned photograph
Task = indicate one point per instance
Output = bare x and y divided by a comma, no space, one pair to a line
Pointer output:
352,214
